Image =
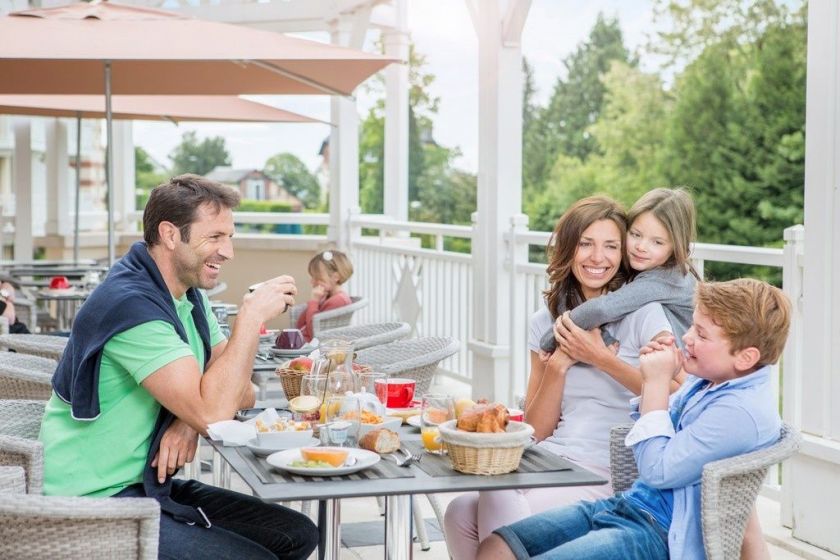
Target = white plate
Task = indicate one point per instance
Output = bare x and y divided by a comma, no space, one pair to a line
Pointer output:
266,451
291,353
281,460
270,336
413,421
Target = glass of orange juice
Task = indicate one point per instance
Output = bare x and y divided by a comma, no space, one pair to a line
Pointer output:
435,409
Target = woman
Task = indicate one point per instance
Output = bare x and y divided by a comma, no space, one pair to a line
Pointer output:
571,405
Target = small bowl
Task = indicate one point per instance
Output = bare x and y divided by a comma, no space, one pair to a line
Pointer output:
286,439
390,422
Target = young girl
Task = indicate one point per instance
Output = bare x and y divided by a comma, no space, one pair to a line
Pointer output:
328,271
662,227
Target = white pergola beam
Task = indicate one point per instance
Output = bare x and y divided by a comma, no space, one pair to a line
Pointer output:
499,199
812,474
396,118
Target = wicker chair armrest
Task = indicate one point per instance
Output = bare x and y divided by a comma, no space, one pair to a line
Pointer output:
4,325
339,317
59,527
729,489
433,356
12,480
28,454
623,470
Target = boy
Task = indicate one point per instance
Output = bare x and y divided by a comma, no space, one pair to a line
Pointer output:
727,409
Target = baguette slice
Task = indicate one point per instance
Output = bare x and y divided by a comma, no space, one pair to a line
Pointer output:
380,440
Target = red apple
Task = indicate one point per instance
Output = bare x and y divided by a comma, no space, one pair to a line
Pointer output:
301,364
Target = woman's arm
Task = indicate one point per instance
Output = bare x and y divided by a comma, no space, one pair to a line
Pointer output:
544,398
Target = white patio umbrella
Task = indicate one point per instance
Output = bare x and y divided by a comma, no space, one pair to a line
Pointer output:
174,108
104,48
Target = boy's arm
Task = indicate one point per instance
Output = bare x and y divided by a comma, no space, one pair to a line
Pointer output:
646,288
723,430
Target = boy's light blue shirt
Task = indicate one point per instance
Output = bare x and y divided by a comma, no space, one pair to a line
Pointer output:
734,417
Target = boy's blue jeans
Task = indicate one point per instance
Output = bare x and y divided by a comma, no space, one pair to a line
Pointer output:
606,529
243,526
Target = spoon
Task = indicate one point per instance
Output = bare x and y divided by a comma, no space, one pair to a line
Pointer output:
350,461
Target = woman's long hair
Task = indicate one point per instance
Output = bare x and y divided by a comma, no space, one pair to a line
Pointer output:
563,287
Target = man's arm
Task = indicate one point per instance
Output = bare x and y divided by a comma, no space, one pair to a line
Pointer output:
198,399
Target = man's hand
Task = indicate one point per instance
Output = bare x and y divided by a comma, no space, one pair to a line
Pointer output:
177,447
582,346
271,298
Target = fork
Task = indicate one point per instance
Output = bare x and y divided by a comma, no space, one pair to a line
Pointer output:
409,457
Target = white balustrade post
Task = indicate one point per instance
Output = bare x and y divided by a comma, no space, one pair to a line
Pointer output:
396,117
23,190
792,357
58,179
814,470
517,253
499,187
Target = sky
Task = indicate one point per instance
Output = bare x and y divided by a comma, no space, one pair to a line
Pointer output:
442,31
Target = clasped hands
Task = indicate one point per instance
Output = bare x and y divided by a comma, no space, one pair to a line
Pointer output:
578,344
661,360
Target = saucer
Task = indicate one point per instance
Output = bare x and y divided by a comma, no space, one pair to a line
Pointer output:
291,352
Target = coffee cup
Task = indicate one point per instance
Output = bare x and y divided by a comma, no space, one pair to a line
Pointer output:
400,391
289,339
59,283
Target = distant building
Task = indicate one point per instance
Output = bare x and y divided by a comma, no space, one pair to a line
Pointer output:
253,184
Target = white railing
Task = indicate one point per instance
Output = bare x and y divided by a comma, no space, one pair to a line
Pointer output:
392,268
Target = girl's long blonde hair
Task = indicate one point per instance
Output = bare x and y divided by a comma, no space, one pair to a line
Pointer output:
563,287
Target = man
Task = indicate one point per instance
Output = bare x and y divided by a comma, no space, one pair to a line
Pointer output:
129,394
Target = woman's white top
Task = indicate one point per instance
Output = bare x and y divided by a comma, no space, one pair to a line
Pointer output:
594,402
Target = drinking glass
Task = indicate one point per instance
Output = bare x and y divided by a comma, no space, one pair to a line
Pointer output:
342,420
316,386
374,383
435,409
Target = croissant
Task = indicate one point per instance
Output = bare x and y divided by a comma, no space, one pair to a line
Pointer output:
485,418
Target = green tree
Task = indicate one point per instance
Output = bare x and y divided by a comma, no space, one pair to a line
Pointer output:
145,176
289,171
578,98
192,156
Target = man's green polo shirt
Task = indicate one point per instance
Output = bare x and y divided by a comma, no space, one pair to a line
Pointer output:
103,456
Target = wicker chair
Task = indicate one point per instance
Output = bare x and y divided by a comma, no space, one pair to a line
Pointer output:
729,487
27,454
416,358
332,319
43,345
12,480
64,528
366,336
20,418
23,376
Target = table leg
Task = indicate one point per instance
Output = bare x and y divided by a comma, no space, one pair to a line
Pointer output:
398,528
329,527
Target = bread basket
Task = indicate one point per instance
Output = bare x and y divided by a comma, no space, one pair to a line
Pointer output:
485,453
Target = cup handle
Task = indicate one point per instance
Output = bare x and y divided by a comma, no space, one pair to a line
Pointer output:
407,393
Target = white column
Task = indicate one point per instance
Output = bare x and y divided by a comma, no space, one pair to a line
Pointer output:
344,137
58,179
813,473
124,180
499,26
23,190
396,117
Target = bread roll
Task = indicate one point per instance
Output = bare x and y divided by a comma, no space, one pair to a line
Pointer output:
380,440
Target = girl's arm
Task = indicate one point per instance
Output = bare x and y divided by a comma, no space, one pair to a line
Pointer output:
665,286
544,398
